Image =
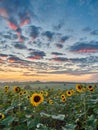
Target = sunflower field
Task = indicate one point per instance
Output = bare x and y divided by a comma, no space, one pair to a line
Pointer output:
49,109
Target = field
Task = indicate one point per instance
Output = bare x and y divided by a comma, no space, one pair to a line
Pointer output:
48,106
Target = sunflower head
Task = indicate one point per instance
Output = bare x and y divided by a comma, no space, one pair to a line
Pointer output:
45,93
79,88
90,87
36,99
2,116
91,90
68,93
62,96
42,92
51,101
64,99
17,89
6,88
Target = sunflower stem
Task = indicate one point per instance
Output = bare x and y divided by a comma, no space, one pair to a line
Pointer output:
84,102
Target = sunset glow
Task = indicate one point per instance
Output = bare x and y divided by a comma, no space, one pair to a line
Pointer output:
49,40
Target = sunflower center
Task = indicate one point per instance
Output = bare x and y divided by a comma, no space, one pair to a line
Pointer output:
68,92
0,116
79,87
37,99
90,86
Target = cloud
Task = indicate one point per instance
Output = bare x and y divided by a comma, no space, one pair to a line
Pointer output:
60,59
20,46
48,34
59,25
57,53
36,55
34,31
64,38
14,59
95,32
17,13
85,60
58,45
87,29
84,47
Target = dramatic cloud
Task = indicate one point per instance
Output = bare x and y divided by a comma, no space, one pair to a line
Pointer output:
36,55
84,47
13,59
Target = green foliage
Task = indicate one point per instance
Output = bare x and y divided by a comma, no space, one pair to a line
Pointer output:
78,112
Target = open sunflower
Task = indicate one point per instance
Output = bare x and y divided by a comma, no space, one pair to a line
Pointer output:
91,90
6,88
64,99
17,89
45,93
90,87
62,96
36,99
79,88
2,116
68,93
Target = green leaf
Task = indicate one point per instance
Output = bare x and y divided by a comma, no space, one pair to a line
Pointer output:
21,127
7,121
31,124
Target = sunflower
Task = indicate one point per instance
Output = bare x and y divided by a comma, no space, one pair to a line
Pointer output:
79,88
62,96
72,90
90,87
91,90
45,93
42,92
2,116
50,101
28,97
64,99
20,93
6,88
36,99
17,89
68,93
24,92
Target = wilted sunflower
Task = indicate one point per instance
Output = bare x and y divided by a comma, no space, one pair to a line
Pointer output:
2,116
79,88
68,93
36,99
17,89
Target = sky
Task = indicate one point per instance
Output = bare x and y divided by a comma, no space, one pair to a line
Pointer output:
49,40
